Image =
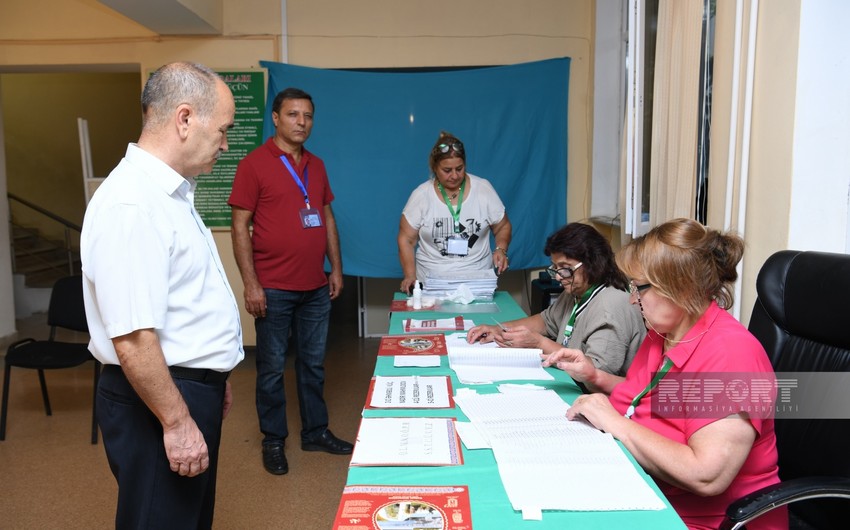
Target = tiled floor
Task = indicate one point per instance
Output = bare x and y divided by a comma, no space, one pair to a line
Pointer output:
52,477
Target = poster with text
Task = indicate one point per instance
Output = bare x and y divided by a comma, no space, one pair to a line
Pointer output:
249,89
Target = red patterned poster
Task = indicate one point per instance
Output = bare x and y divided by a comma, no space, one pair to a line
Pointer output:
413,345
395,507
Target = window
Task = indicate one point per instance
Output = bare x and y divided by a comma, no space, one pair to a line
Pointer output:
640,83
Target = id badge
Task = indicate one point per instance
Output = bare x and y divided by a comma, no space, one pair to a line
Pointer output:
457,245
310,218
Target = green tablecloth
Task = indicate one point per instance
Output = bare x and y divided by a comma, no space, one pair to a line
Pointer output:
489,502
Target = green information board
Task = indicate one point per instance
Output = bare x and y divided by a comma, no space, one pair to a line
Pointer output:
249,91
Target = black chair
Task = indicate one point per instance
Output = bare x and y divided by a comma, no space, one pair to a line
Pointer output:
802,318
66,310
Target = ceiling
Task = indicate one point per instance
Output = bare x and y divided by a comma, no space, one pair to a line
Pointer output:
173,17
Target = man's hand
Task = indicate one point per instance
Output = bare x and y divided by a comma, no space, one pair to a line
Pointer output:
186,449
335,284
228,400
255,300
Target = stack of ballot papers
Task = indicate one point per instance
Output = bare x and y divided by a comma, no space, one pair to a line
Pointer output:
485,365
547,462
482,284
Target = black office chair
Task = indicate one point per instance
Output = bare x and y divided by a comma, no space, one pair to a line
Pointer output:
66,310
802,318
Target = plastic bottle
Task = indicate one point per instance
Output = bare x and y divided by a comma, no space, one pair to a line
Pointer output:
417,296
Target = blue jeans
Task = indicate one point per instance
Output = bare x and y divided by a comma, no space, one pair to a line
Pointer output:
305,314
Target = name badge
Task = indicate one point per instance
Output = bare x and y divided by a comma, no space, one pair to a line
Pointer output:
457,245
310,218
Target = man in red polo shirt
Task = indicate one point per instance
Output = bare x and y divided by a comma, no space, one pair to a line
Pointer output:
282,189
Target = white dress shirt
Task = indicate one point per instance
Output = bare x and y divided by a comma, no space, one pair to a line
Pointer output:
149,262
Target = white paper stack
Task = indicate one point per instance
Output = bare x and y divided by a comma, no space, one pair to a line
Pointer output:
484,365
444,286
536,446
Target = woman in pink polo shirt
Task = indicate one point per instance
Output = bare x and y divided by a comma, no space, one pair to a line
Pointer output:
695,407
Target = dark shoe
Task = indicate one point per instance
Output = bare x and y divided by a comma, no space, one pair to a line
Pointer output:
274,460
328,443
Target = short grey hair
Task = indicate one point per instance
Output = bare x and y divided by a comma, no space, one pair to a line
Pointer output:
175,84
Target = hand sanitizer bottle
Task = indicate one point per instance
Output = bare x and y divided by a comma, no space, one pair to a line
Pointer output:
417,296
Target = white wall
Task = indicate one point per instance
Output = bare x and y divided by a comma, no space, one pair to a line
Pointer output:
820,189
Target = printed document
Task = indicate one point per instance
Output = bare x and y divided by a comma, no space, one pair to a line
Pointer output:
485,365
417,392
407,442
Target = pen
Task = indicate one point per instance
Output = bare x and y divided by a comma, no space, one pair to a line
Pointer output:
503,328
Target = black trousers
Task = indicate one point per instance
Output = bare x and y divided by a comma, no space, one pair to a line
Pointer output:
150,495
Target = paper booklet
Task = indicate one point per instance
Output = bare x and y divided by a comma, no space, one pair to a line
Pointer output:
536,446
407,442
485,365
412,325
410,392
366,507
413,345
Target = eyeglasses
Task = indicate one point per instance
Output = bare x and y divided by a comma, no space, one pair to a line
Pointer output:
636,289
457,147
565,272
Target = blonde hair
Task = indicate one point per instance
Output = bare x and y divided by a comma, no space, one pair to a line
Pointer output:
686,262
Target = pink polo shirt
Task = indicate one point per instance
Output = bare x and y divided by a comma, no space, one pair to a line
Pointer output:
721,344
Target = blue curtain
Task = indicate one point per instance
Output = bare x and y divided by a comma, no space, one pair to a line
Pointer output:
374,130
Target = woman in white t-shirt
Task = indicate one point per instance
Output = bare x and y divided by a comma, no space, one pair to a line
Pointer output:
450,217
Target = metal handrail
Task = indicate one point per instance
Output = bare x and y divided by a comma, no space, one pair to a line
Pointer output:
66,223
39,209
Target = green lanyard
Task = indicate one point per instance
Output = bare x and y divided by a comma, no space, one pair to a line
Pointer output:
577,308
455,213
668,363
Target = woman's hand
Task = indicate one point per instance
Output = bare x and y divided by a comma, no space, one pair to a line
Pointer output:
574,362
407,239
500,261
519,337
597,409
483,334
407,285
502,237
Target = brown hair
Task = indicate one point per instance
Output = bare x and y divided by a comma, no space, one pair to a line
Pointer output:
584,243
686,262
453,147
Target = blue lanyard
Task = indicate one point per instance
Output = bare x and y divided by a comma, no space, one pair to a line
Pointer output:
301,185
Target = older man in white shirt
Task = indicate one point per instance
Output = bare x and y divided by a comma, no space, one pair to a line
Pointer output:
162,317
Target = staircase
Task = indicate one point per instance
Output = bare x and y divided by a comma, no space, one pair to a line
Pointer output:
40,260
